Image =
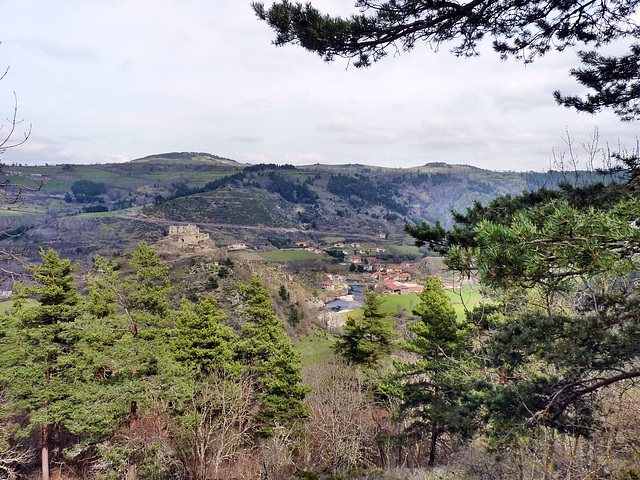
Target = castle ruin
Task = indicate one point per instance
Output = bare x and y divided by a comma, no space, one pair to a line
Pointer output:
189,236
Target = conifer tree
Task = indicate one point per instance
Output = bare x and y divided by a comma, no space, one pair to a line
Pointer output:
213,409
38,347
202,342
270,358
367,340
437,390
129,343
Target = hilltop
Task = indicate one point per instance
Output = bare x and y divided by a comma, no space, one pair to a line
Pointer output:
109,208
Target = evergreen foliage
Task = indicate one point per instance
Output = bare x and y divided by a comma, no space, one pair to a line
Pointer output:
367,190
524,30
367,340
441,390
571,256
38,353
86,191
290,190
202,342
267,352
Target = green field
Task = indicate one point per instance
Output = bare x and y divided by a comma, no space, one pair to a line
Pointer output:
467,296
7,304
316,346
288,255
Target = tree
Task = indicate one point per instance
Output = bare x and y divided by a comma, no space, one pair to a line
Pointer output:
128,349
367,340
10,191
215,405
574,256
38,351
614,80
440,390
525,30
270,358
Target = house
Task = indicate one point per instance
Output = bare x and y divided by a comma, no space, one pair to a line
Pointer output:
302,244
355,245
404,288
381,249
355,260
238,246
318,251
326,285
338,245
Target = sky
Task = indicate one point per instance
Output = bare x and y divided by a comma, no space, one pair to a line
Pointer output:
116,80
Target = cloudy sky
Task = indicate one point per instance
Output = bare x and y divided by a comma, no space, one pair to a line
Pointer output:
116,80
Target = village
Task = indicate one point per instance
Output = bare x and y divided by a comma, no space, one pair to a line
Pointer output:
364,264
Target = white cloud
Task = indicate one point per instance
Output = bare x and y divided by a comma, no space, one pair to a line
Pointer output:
122,79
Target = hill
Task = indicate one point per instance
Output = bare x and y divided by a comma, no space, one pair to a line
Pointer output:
108,208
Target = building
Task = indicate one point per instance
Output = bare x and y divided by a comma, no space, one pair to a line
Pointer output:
189,234
403,288
188,237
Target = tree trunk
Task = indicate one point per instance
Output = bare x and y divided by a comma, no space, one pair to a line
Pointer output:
548,467
132,473
45,452
434,441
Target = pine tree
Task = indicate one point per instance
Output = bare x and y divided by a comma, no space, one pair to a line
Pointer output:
367,340
128,348
438,390
524,30
270,358
213,408
201,342
38,351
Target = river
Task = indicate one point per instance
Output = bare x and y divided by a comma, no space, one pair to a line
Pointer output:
353,299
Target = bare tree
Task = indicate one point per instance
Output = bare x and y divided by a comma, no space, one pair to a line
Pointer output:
341,429
219,421
12,454
11,192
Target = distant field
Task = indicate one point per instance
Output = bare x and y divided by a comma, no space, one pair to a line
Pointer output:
288,255
332,240
403,304
7,304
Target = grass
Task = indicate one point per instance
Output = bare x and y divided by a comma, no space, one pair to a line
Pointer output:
332,240
7,304
403,304
315,347
288,255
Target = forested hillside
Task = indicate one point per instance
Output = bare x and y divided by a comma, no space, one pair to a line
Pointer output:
109,208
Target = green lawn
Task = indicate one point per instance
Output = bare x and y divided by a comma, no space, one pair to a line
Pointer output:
7,304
